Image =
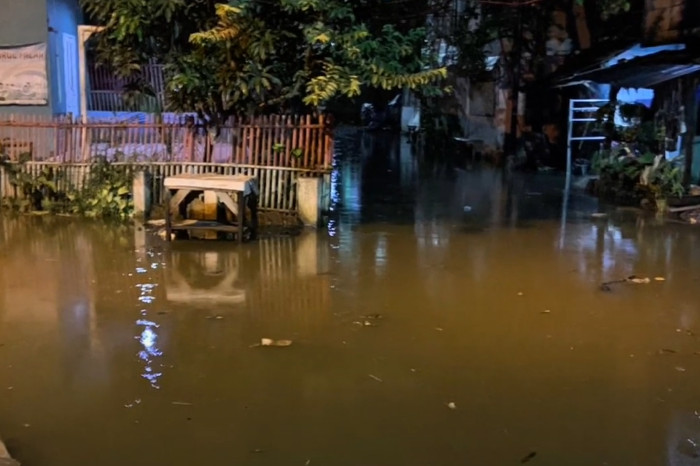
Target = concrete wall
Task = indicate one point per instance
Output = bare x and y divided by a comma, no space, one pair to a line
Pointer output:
32,21
23,22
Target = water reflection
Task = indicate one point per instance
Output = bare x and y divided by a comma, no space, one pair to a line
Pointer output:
93,319
203,275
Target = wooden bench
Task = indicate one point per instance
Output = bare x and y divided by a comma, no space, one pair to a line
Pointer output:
235,192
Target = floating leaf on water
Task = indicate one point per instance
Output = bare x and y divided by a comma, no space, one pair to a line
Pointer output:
529,457
181,403
680,369
439,329
452,405
659,279
374,377
667,351
546,311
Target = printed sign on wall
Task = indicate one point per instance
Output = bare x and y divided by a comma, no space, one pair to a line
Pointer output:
23,79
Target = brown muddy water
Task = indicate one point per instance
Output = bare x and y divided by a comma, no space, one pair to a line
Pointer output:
495,344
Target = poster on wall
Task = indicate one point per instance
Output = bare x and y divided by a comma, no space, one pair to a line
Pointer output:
23,79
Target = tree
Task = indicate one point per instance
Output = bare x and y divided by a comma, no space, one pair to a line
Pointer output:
608,8
257,56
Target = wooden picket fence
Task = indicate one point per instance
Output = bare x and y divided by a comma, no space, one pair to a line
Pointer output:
295,142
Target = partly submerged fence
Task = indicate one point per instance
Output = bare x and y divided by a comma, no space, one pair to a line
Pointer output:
277,185
296,142
277,150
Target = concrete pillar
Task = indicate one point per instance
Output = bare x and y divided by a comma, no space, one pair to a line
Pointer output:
141,195
310,200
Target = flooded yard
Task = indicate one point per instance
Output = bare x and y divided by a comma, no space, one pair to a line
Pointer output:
447,317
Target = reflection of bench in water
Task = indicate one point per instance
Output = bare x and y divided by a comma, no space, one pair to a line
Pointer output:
214,268
14,148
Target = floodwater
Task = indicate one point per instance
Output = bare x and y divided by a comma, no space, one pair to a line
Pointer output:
495,346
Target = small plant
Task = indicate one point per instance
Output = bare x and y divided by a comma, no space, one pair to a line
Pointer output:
104,194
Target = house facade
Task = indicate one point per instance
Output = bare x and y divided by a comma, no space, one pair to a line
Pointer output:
39,72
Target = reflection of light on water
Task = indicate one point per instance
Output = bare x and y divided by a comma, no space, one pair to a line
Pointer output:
335,193
380,255
148,337
148,340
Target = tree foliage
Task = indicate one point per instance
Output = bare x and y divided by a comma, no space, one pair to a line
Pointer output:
608,8
258,56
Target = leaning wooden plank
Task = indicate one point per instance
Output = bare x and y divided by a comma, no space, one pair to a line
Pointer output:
5,458
684,209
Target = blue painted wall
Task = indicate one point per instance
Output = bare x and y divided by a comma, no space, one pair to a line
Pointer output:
31,21
64,16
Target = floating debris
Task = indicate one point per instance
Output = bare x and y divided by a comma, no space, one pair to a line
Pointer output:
372,317
638,280
452,405
439,329
599,215
364,323
546,311
667,351
689,448
606,286
680,369
374,377
271,342
181,403
529,457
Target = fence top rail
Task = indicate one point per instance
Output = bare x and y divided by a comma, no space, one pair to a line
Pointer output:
213,165
147,125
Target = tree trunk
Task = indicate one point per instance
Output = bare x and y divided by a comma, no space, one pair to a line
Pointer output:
516,54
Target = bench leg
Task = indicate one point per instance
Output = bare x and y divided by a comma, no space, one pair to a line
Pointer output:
241,217
168,216
253,206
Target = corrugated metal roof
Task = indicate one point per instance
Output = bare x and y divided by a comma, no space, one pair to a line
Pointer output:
642,72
